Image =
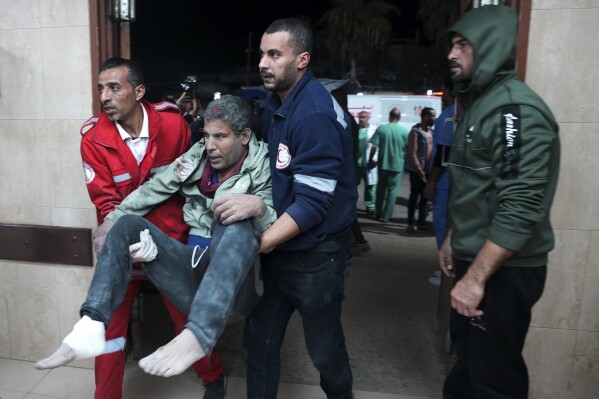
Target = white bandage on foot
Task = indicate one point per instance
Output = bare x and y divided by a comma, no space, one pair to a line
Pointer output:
88,338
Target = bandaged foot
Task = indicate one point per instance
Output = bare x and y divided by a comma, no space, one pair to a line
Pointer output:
174,357
88,339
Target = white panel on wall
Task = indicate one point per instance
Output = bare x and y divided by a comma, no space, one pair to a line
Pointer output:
61,13
22,14
584,379
25,163
574,207
21,83
549,354
67,73
559,307
562,54
561,4
66,175
589,315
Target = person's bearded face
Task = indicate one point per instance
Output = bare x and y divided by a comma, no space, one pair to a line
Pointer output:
461,59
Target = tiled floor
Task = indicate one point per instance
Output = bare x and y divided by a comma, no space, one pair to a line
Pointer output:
20,380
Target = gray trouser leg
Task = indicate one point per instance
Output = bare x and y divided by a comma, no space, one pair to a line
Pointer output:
173,272
231,285
223,287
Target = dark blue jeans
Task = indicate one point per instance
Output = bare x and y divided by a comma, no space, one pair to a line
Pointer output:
311,282
224,287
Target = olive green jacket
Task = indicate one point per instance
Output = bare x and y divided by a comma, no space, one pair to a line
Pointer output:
254,178
504,162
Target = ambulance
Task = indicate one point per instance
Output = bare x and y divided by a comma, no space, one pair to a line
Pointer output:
379,105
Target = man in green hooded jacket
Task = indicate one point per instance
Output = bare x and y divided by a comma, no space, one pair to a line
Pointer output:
503,171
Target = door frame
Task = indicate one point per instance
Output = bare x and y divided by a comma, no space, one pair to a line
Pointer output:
108,39
523,9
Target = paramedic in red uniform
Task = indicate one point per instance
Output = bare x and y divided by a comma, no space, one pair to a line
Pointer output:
122,148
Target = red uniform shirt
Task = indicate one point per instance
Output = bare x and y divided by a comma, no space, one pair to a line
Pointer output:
112,172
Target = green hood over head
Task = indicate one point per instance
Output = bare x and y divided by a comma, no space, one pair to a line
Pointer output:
492,32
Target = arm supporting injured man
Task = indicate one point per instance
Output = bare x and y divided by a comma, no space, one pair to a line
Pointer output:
213,285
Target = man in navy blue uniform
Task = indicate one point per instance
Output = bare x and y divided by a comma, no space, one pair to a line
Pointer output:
307,250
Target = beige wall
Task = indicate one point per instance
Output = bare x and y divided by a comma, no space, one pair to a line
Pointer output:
45,95
563,345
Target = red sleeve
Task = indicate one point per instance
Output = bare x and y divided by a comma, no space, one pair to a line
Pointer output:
186,141
98,178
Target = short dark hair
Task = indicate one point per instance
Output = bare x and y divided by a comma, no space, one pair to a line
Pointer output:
426,111
135,75
394,114
231,109
300,34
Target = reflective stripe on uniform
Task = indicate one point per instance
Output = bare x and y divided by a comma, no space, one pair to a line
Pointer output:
340,113
120,178
93,119
115,345
88,125
158,169
319,183
163,105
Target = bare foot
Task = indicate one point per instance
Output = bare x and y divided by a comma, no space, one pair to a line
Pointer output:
174,357
86,340
63,355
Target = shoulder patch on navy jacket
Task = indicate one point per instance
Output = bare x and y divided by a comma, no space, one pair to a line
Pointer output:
89,124
166,106
512,141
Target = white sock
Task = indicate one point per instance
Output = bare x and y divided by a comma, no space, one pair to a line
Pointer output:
88,338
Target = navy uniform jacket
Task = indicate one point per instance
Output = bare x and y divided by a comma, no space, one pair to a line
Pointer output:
310,145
